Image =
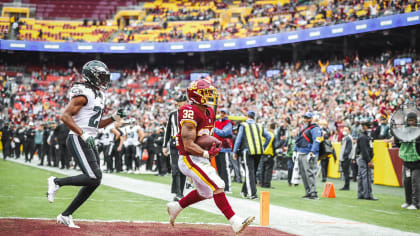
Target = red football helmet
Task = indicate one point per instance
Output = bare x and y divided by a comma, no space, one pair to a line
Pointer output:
203,93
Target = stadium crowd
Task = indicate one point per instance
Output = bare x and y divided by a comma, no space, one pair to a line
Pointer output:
192,23
365,89
265,18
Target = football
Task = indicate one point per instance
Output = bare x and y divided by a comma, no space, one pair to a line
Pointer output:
206,141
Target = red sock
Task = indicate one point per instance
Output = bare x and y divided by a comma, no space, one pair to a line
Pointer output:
191,198
223,204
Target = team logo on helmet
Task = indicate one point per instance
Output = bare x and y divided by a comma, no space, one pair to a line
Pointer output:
203,93
97,74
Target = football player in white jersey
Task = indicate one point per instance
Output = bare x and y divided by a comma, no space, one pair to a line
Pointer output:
132,138
83,116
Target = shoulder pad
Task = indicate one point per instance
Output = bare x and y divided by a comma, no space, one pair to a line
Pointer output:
78,90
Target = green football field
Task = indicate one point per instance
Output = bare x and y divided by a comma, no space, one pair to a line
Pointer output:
23,194
23,188
385,212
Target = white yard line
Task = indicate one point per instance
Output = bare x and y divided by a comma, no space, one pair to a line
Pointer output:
288,220
386,212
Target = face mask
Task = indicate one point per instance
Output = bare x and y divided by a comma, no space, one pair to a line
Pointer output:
345,133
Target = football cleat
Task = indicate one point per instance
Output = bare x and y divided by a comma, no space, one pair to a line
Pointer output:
67,221
405,205
412,207
239,224
52,189
173,210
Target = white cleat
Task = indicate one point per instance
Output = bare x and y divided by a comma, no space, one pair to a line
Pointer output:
412,207
52,189
67,221
239,224
405,205
173,210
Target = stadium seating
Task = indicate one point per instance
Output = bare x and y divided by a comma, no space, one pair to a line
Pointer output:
91,9
181,20
61,31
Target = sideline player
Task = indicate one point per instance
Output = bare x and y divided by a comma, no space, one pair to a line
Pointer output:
83,117
197,119
132,138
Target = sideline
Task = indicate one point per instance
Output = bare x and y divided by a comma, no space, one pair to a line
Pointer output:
288,220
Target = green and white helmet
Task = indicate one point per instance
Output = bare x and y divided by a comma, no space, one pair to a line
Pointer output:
97,74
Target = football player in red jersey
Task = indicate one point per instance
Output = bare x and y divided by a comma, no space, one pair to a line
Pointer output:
197,119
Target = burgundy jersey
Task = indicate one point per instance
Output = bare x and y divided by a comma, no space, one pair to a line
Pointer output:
204,123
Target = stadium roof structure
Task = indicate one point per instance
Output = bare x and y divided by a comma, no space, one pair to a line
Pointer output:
339,30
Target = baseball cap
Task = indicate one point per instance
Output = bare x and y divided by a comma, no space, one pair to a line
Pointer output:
308,115
251,114
224,110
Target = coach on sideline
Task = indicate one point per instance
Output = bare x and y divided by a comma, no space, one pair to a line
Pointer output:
223,132
252,149
307,152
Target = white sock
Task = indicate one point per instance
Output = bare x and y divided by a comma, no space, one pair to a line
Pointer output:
233,219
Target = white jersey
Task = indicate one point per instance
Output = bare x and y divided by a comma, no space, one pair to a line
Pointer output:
107,136
132,135
90,115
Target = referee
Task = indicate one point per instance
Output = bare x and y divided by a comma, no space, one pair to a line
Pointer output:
171,130
249,142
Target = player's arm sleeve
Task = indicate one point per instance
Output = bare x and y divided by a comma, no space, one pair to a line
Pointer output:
225,132
317,139
238,139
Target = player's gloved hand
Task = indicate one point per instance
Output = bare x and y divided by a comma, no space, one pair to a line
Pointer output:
294,156
226,143
89,139
119,115
311,156
212,152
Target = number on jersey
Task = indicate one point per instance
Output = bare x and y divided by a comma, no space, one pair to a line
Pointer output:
188,114
94,120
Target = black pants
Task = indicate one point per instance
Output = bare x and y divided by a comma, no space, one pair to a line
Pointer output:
64,156
267,170
110,158
250,165
411,180
324,168
178,178
116,156
38,150
106,152
345,165
161,163
222,164
101,149
17,150
7,149
91,177
130,156
354,170
28,149
290,165
54,155
149,163
45,152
